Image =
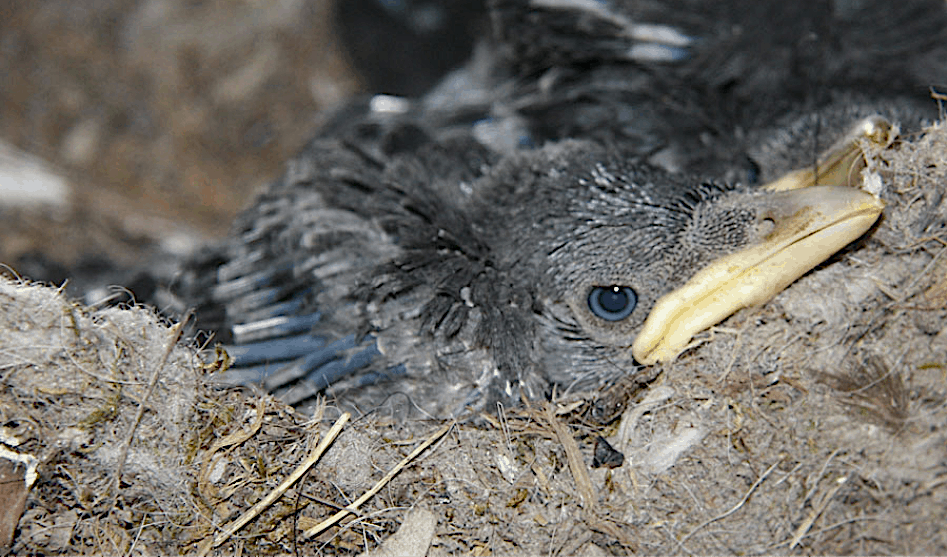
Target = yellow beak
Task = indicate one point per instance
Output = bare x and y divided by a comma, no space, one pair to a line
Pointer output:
811,221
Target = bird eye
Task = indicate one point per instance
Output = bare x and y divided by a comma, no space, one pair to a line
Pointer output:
612,303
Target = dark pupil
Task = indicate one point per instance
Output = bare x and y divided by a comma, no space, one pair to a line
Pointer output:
614,300
612,303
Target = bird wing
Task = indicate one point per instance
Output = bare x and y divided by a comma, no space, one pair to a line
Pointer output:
345,267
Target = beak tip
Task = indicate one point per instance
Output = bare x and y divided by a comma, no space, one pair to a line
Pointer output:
649,352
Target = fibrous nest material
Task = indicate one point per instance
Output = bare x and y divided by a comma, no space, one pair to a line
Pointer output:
814,424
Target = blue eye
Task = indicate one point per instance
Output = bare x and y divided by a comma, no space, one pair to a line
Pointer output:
612,303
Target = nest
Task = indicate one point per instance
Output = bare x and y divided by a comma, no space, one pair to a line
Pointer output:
816,423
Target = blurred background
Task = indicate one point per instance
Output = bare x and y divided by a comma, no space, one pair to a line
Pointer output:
135,129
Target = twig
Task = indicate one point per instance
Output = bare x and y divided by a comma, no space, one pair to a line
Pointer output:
579,471
272,496
176,332
818,479
810,520
736,507
353,508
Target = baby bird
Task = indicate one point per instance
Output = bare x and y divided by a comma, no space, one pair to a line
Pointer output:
547,232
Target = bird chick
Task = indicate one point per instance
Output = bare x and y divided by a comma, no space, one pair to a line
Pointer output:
403,255
465,279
